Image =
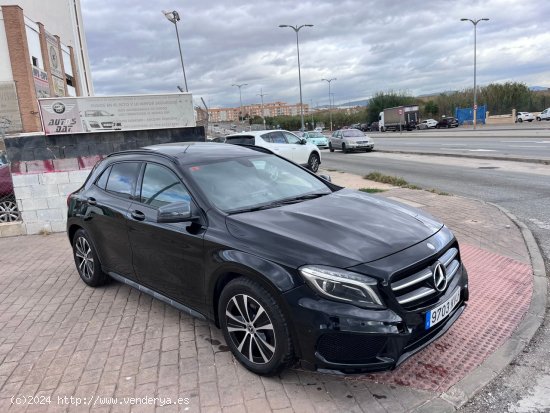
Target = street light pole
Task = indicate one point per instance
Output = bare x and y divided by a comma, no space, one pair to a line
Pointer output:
475,22
241,99
174,17
297,29
329,103
262,94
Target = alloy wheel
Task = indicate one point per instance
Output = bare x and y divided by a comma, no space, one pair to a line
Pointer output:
9,211
250,329
84,257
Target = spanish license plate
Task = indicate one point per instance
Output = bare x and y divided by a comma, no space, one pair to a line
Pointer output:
439,313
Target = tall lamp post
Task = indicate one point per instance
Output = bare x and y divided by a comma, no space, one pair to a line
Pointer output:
174,17
297,29
475,22
241,99
329,102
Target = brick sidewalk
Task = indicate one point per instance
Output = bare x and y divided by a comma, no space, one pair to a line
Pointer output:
60,337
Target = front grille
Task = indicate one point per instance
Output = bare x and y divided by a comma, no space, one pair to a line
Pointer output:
416,290
350,348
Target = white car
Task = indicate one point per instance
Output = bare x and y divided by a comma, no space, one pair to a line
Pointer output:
544,115
282,143
427,124
524,117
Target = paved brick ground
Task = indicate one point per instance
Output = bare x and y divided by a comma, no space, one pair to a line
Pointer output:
61,338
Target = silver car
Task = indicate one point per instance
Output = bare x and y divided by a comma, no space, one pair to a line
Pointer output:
350,140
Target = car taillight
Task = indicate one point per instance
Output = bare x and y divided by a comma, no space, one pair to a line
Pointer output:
69,199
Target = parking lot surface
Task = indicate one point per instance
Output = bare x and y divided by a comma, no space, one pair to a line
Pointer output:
116,349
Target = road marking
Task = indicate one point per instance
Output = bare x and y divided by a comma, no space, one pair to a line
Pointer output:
523,146
481,150
524,141
540,224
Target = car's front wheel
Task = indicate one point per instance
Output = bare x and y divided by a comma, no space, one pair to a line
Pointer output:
9,211
254,327
86,260
330,148
313,162
538,118
520,120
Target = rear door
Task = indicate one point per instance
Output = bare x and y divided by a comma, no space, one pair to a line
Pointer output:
167,257
108,202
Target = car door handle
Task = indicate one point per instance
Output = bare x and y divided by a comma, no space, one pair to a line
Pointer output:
137,215
91,201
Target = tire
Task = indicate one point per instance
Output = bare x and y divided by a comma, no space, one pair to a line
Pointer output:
520,120
437,126
313,162
330,148
248,342
344,149
9,211
538,118
530,120
86,260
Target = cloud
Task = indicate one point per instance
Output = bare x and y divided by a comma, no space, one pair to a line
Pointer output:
369,46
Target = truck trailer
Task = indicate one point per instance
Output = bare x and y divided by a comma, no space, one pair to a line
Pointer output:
399,118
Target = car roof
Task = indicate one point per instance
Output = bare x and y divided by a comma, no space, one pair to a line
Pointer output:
257,132
193,152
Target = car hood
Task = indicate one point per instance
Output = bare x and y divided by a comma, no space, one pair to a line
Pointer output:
342,229
357,138
317,140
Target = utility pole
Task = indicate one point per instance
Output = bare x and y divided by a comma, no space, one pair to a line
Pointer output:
262,94
329,99
241,116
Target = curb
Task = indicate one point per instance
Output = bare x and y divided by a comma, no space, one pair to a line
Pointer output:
465,389
450,155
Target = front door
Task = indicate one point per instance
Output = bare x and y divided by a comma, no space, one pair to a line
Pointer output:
300,153
167,256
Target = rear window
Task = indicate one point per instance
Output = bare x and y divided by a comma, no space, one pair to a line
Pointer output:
244,139
122,179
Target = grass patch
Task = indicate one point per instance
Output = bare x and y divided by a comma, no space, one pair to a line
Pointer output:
390,180
372,190
438,192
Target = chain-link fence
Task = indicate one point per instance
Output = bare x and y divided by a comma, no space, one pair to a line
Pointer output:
8,206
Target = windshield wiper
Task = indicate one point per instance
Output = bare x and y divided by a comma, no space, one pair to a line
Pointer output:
256,208
304,197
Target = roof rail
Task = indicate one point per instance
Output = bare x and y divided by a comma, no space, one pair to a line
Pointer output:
255,147
145,152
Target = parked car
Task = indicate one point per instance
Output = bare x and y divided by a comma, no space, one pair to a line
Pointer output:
544,115
318,129
427,124
350,140
219,139
316,138
374,127
524,117
289,266
448,122
8,205
283,143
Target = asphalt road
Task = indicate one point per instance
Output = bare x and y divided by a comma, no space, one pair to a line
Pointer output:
523,189
524,143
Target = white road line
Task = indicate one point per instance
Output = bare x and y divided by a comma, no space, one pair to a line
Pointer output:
481,150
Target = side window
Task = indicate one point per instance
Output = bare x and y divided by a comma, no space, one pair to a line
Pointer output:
290,138
102,181
267,138
123,177
278,137
161,187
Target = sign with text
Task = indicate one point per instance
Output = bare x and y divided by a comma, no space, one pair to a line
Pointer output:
41,84
96,114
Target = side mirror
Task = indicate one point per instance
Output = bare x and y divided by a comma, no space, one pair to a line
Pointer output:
303,141
326,177
176,212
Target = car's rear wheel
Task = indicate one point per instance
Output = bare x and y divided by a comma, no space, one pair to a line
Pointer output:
86,260
313,162
9,211
330,148
254,327
344,149
520,120
538,118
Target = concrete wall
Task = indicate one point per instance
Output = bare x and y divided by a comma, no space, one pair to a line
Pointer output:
46,169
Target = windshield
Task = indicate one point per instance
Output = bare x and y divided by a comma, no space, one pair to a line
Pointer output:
352,133
315,135
239,184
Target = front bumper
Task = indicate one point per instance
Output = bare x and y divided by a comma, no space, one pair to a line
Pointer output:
339,336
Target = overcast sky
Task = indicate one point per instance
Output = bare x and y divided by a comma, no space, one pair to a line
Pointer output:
419,46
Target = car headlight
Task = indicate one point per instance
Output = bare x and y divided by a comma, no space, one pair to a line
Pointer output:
342,285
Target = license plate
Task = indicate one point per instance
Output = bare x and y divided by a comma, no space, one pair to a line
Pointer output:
441,312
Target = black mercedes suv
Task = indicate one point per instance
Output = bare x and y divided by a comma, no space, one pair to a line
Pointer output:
290,266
